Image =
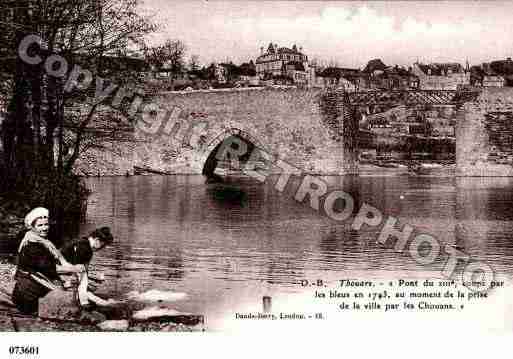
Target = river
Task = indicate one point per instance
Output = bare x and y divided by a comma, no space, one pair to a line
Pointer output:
227,250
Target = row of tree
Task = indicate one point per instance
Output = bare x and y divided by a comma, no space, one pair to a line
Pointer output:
41,137
171,57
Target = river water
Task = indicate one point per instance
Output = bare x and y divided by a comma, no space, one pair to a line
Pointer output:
227,247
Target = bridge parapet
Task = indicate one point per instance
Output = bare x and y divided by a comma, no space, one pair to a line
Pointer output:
314,130
286,122
412,97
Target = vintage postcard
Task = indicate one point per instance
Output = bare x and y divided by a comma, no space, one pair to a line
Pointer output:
244,167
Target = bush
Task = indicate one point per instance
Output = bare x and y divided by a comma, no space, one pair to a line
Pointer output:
64,196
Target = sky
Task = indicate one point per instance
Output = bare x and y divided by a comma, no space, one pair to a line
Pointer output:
348,33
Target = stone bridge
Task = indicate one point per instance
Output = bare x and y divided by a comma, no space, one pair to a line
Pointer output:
310,129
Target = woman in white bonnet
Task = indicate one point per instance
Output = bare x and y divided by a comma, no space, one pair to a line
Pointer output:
39,264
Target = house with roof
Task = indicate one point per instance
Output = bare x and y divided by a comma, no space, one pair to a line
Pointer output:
339,78
503,68
399,78
247,72
497,73
220,73
493,80
296,70
375,67
476,75
441,76
377,75
484,76
283,62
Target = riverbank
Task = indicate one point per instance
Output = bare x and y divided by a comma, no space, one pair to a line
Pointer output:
12,320
374,168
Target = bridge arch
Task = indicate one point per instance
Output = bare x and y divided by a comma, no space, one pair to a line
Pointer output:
209,159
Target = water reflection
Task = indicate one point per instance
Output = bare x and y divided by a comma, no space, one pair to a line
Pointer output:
235,242
227,194
485,220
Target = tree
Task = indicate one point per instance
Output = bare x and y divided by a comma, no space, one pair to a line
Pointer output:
210,72
42,135
7,54
84,33
169,56
194,63
247,69
232,71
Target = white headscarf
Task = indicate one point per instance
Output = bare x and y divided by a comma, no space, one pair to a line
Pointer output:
36,213
33,237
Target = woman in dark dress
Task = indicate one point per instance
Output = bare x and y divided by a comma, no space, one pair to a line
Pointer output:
80,251
39,264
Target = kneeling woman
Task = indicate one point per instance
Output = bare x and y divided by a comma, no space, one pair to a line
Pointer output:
39,264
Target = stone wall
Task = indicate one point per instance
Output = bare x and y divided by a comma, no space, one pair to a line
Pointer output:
285,122
297,126
484,135
116,159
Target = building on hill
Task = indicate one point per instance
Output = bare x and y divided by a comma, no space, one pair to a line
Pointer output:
121,64
375,67
503,67
283,62
338,77
476,75
245,74
398,78
296,70
493,80
498,73
221,73
373,76
248,69
441,127
485,76
378,76
441,76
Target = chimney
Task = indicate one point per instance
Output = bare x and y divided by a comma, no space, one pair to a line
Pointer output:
261,50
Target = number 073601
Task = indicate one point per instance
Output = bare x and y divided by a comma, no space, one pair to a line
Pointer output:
23,350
